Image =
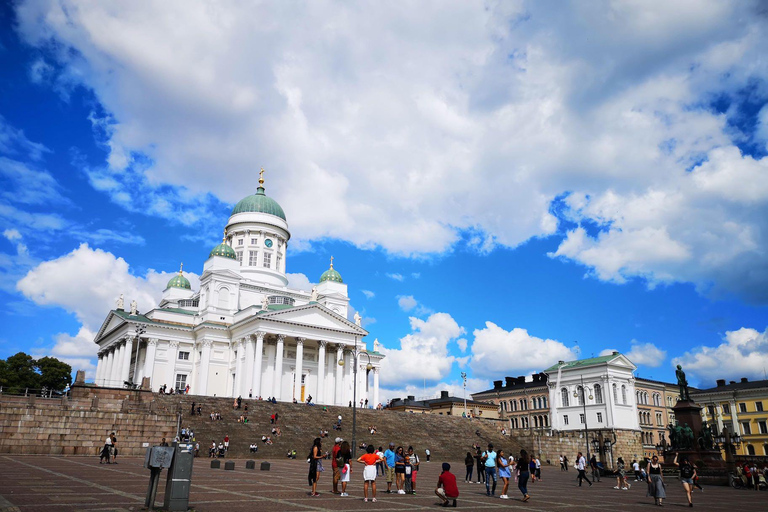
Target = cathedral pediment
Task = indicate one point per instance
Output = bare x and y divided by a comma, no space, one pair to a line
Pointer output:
314,315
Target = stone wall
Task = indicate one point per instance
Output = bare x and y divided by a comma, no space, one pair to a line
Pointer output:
549,447
79,425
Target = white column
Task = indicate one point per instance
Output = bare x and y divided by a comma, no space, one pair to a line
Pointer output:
735,418
297,373
239,347
247,382
257,363
127,349
170,371
99,369
610,402
348,375
719,418
117,365
269,373
277,388
321,372
376,386
339,376
107,377
149,360
137,367
205,361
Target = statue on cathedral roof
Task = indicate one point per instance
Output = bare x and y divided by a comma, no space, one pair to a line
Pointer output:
358,318
120,303
134,307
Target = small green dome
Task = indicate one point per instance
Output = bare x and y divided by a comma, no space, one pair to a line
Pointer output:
259,203
331,275
179,281
224,251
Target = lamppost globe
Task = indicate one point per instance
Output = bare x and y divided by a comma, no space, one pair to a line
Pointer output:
341,362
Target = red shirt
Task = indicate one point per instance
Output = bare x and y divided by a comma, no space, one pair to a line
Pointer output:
370,459
226,439
334,454
448,482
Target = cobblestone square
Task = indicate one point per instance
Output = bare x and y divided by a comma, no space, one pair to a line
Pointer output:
64,484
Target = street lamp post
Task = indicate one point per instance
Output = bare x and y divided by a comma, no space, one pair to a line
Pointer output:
356,353
464,378
584,404
140,329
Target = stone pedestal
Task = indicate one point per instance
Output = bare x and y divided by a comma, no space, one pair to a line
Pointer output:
709,463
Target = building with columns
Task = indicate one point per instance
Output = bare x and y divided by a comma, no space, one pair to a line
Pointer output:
244,332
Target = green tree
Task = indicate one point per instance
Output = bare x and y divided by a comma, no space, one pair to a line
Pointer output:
54,374
19,373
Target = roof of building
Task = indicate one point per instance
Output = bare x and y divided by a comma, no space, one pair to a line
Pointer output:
224,251
331,275
590,361
429,403
259,203
744,384
520,385
179,281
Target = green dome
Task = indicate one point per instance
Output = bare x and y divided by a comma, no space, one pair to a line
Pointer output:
331,275
259,203
224,251
179,281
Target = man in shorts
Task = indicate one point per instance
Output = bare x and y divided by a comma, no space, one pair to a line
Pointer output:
389,466
334,465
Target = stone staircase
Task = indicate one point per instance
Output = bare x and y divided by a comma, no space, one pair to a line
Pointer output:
447,437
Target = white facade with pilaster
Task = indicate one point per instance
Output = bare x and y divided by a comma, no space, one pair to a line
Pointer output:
244,331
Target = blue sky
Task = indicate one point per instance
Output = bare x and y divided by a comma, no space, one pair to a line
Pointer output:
501,185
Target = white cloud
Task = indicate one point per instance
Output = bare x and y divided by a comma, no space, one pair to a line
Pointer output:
454,388
407,302
462,343
12,234
499,109
396,277
423,354
497,352
78,351
368,294
607,352
646,354
299,281
744,353
86,282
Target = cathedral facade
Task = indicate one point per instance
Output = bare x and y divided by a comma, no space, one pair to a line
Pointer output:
244,332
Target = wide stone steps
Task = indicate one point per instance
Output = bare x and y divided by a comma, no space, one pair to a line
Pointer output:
447,437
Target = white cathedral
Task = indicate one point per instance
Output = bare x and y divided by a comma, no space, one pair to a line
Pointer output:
244,333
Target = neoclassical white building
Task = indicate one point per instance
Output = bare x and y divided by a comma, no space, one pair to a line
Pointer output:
594,393
244,332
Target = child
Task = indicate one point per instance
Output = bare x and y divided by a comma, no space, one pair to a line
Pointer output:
369,472
446,486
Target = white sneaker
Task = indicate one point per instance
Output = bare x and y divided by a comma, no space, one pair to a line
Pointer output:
625,488
343,495
401,491
617,487
504,497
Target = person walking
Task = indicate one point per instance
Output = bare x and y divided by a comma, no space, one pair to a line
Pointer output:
114,448
581,466
469,462
565,462
595,469
538,467
621,476
656,487
389,466
345,452
106,451
562,463
523,474
489,457
315,454
369,459
336,464
446,486
480,466
427,453
687,477
636,469
502,465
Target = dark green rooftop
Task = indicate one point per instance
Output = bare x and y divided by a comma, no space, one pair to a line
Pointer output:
259,203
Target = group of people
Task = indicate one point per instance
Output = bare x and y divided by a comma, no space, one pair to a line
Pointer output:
493,465
173,391
109,452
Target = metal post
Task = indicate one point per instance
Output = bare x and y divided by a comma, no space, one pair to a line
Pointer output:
464,377
584,403
354,402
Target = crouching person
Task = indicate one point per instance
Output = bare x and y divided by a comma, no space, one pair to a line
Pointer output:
446,487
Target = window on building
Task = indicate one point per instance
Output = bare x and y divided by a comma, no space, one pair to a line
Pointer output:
711,411
726,409
659,419
598,394
277,262
254,241
545,402
761,425
253,258
624,394
580,395
581,418
746,428
564,397
615,394
184,355
742,407
759,406
267,260
599,417
565,419
240,257
181,381
239,241
750,449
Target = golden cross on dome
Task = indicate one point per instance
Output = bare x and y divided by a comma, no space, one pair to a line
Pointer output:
181,268
261,177
331,261
224,239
